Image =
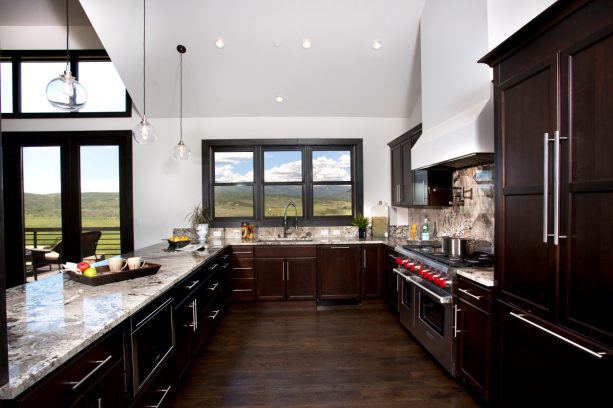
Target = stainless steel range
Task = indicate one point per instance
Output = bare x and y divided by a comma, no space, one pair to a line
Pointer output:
427,302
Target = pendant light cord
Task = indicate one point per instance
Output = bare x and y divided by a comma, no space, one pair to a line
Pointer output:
67,36
144,65
181,98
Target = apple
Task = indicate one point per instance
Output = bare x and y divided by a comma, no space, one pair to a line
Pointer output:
90,272
82,266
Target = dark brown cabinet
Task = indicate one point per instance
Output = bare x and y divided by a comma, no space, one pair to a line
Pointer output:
242,273
429,187
285,272
200,302
553,99
371,271
390,279
475,335
95,377
339,274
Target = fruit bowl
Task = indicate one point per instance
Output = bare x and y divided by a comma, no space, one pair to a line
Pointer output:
172,244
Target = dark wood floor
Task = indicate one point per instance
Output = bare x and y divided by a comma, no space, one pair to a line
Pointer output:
292,355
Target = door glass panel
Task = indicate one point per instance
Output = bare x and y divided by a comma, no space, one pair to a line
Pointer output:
34,79
6,87
432,313
100,202
276,197
42,210
332,200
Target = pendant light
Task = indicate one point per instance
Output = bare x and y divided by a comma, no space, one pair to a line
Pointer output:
181,151
65,92
143,132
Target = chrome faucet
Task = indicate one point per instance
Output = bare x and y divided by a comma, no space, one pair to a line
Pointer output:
285,229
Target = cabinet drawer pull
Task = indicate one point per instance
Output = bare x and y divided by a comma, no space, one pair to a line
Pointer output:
339,247
214,315
101,363
470,294
455,320
242,290
193,283
224,257
194,306
246,252
214,286
597,354
242,269
161,401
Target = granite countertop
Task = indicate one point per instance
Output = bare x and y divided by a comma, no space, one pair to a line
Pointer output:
482,275
52,320
391,242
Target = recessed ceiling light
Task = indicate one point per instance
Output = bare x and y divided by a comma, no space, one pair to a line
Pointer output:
306,43
376,45
219,43
279,99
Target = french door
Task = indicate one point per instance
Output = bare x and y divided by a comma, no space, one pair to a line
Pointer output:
58,185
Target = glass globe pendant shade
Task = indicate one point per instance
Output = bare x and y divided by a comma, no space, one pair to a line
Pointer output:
66,93
181,151
144,133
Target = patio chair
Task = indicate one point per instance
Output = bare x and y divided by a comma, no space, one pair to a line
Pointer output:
53,255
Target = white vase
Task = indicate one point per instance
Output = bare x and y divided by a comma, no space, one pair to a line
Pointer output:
202,230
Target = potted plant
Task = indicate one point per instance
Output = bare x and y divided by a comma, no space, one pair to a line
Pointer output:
362,223
199,218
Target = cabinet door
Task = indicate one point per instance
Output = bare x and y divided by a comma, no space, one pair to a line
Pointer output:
525,263
538,369
339,272
396,175
390,280
301,278
371,273
109,392
406,190
587,190
187,333
474,346
270,279
420,187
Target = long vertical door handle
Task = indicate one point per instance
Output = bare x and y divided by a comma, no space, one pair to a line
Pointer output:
545,187
287,270
283,265
364,259
556,189
455,318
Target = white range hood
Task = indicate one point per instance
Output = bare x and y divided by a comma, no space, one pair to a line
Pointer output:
464,140
457,107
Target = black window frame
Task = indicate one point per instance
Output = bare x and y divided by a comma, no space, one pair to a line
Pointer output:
307,146
16,57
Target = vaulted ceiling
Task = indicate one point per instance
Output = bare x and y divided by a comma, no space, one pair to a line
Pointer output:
341,74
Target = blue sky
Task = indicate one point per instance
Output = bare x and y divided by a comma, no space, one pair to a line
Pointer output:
99,169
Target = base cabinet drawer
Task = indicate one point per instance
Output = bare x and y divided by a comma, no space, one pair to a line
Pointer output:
97,375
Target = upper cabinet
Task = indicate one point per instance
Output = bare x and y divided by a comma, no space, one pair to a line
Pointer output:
431,187
554,97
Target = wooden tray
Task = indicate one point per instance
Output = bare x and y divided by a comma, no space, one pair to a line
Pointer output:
105,276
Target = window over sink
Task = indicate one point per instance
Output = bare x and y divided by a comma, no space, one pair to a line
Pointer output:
254,180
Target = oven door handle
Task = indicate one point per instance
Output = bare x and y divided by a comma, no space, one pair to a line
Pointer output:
443,300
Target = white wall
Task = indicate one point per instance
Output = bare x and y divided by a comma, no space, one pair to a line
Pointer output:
166,189
507,16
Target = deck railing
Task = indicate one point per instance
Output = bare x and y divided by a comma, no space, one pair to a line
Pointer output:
109,243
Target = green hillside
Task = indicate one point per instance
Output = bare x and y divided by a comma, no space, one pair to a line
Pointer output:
97,209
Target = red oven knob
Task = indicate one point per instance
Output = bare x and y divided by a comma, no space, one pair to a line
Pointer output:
412,265
442,282
398,261
437,280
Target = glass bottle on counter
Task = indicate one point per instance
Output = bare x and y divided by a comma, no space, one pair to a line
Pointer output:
380,220
425,230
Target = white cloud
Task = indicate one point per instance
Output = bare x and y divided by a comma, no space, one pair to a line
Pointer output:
233,157
327,169
291,171
226,174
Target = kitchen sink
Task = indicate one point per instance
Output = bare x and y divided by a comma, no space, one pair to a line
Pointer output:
288,239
